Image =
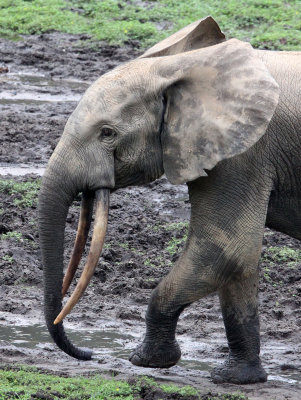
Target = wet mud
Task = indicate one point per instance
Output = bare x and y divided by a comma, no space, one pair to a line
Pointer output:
147,226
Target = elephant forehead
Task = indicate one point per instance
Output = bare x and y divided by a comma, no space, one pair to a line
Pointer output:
115,97
104,95
107,93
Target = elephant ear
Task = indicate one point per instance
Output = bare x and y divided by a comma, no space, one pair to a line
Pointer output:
219,102
202,33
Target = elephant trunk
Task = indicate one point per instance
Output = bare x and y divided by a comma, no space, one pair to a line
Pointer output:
55,198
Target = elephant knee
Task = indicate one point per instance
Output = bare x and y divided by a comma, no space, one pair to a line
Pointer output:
238,262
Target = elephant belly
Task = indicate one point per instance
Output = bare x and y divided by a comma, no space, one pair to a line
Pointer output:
284,214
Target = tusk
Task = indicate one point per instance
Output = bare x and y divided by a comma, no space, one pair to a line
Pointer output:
100,227
81,238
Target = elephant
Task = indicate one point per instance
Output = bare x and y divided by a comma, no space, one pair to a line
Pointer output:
209,112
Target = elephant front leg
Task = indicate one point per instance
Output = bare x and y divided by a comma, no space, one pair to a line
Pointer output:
177,290
239,302
159,348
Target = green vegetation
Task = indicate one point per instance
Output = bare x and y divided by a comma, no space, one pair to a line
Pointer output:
174,244
278,255
24,194
128,247
272,24
184,391
282,255
18,237
26,384
179,230
148,263
7,258
176,226
12,235
173,226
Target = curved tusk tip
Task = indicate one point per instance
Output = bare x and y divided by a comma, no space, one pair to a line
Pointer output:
57,320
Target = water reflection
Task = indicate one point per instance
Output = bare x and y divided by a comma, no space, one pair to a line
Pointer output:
109,342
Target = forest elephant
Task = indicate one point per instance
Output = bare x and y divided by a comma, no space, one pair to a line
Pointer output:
217,115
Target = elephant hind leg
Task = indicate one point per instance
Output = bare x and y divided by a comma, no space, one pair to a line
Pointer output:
239,305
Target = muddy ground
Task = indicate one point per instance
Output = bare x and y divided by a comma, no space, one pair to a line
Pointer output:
46,76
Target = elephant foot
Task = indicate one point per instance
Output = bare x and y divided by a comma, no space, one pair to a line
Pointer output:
239,372
156,355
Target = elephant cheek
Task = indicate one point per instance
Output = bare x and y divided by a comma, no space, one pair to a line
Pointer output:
146,167
101,174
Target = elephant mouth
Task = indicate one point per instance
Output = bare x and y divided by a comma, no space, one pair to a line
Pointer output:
101,198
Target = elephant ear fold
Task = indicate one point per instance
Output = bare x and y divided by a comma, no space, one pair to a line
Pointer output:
219,102
202,33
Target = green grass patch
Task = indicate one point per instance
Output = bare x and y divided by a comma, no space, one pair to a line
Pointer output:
174,244
10,260
24,194
176,226
272,24
179,229
26,384
282,255
12,235
148,263
18,237
173,226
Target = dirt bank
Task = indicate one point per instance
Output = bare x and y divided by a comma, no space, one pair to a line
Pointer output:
46,76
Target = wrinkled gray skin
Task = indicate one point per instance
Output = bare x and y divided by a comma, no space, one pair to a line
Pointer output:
188,113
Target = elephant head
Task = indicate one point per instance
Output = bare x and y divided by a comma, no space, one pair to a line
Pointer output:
186,104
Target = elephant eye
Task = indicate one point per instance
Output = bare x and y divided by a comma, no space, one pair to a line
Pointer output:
107,132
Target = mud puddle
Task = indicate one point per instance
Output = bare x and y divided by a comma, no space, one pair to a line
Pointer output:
112,343
30,79
34,109
32,98
102,341
29,88
21,169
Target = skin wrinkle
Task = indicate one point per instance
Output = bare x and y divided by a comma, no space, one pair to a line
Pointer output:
283,214
282,163
234,247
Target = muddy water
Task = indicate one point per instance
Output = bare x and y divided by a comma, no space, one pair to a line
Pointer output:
117,345
20,169
102,341
34,109
27,88
35,336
